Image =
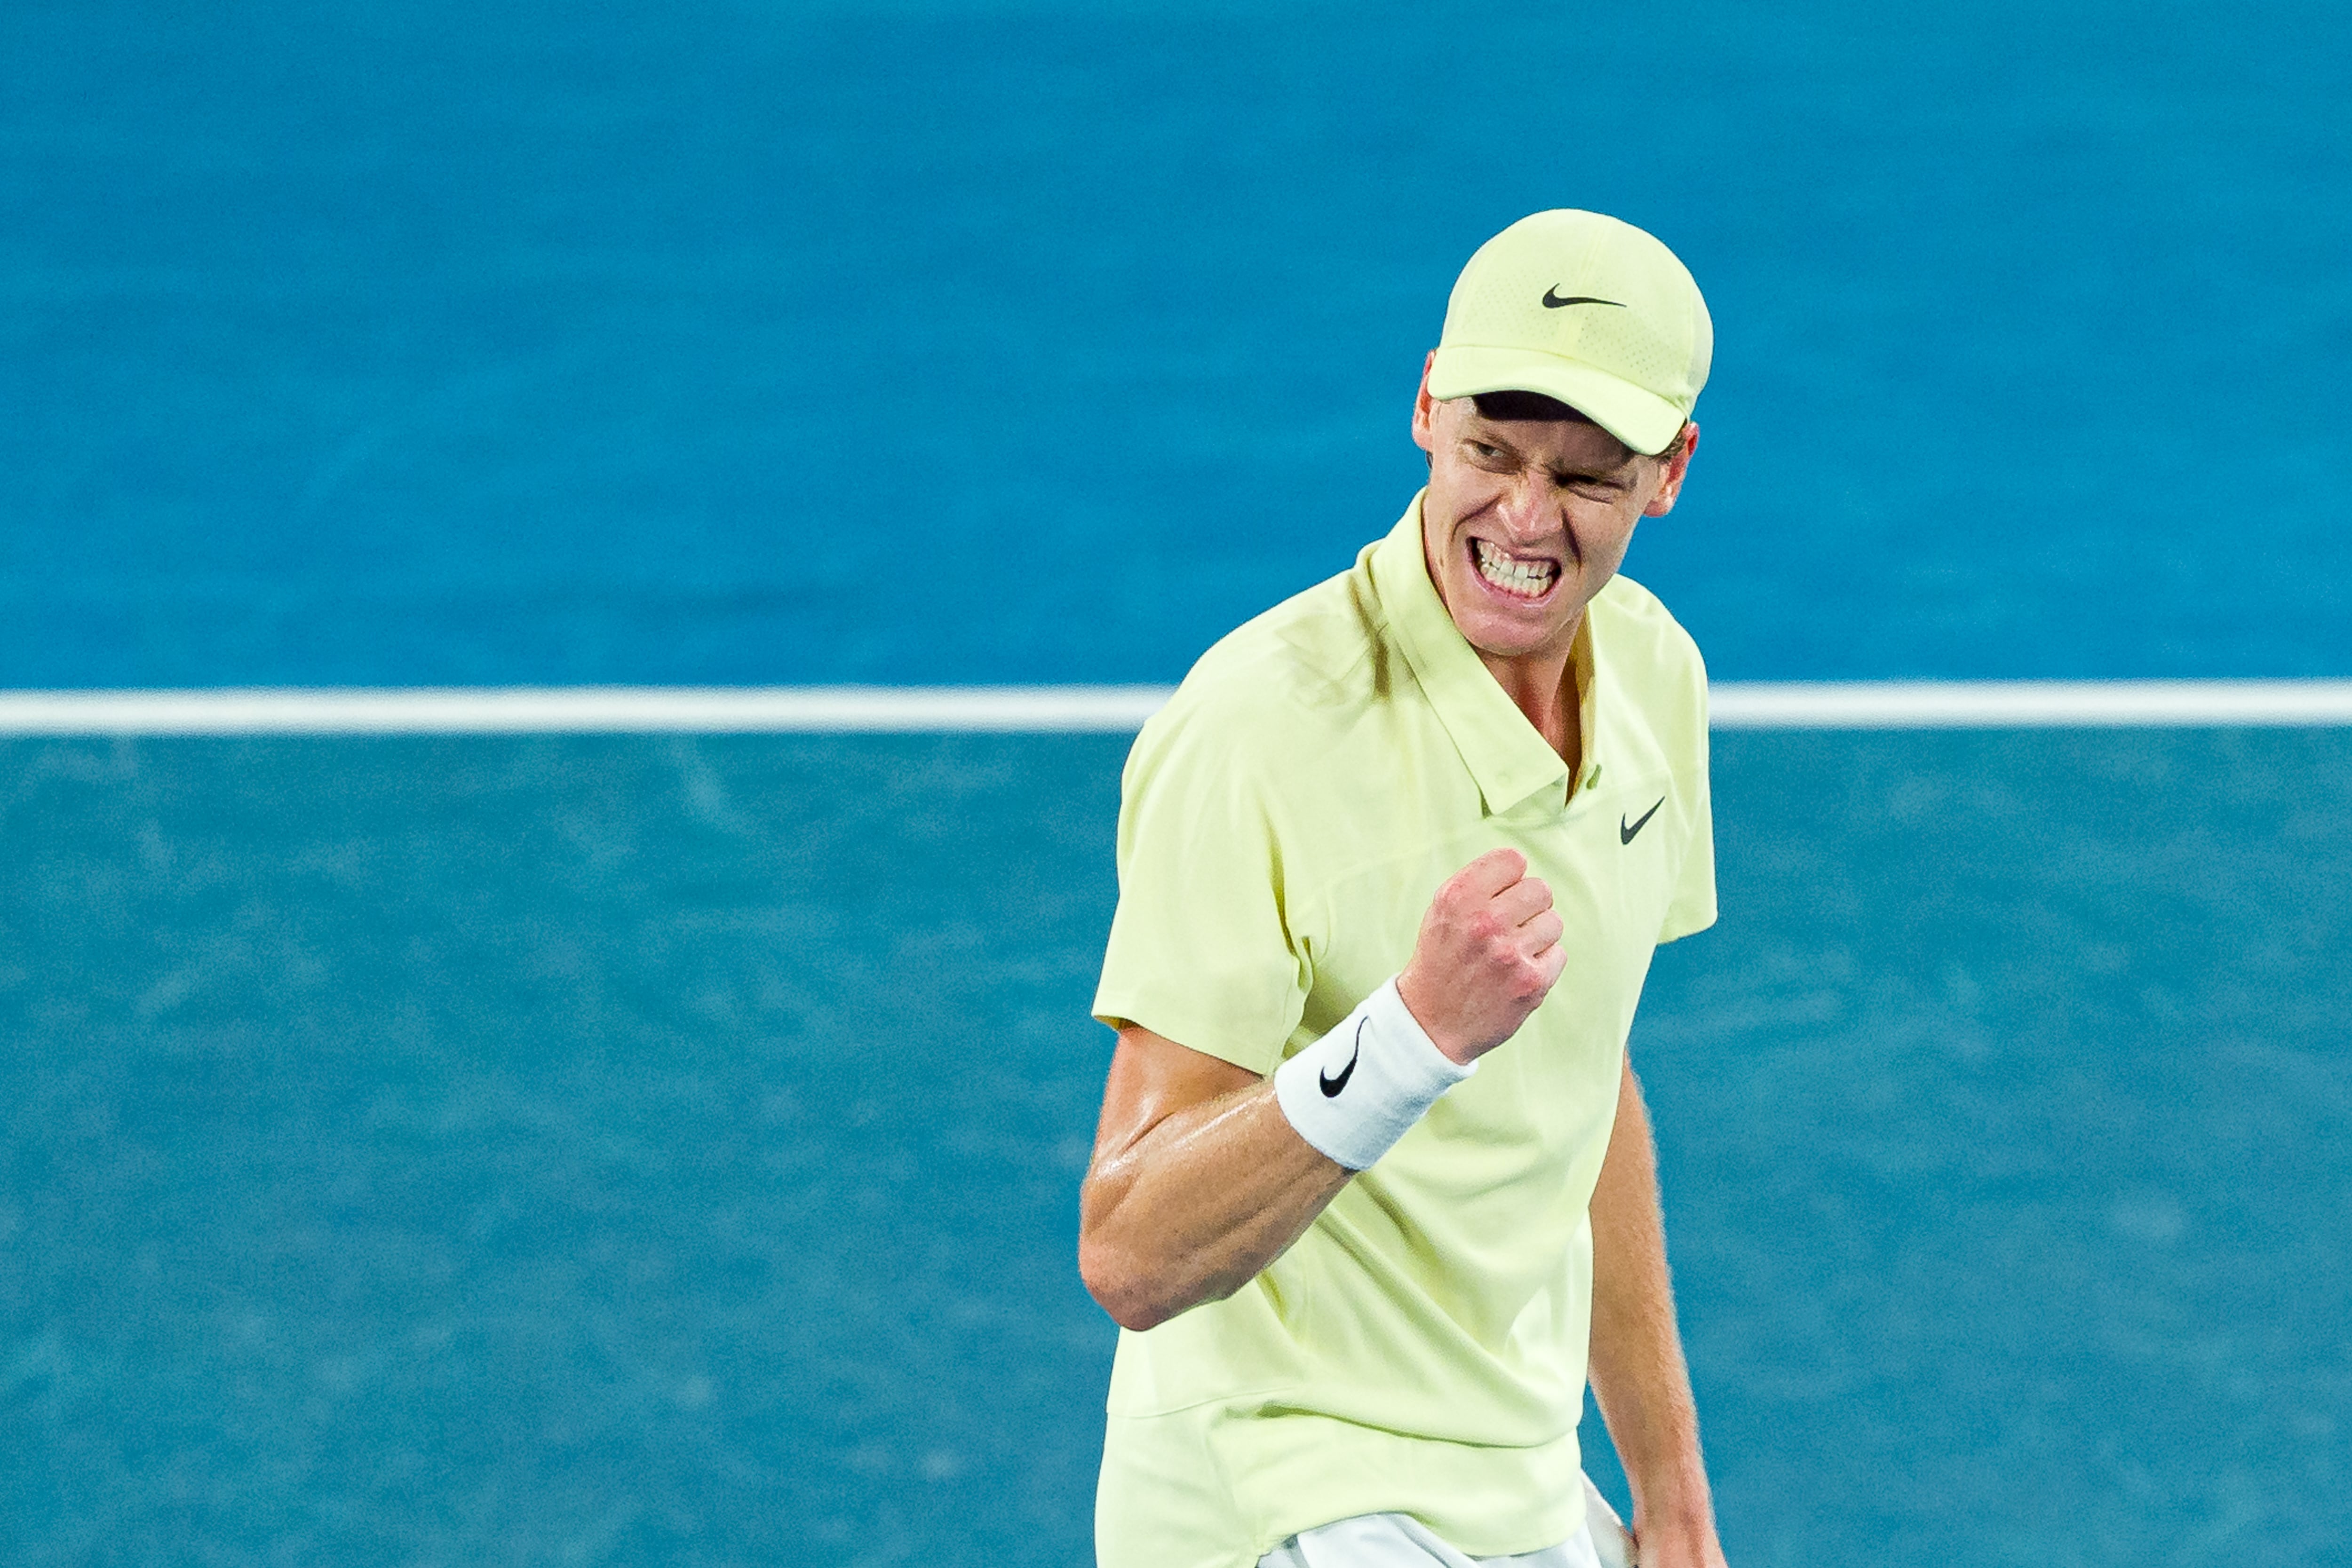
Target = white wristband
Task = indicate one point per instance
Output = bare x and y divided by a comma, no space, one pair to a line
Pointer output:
1354,1092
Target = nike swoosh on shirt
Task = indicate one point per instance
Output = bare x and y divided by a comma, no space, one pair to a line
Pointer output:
1625,834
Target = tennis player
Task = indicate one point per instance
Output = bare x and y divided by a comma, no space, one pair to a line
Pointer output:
1373,1173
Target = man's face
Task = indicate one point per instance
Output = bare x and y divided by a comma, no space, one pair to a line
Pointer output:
1525,520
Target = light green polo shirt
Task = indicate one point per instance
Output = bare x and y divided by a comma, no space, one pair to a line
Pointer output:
1285,821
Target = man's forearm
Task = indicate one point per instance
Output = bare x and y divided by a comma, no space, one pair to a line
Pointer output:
1191,1205
1638,1373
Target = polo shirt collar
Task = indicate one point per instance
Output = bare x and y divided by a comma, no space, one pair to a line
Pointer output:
1506,756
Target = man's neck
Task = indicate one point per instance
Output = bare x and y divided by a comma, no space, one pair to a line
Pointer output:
1543,686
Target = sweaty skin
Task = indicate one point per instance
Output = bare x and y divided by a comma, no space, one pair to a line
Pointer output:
1198,1181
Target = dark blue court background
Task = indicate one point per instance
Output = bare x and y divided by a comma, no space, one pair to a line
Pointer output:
649,1151
770,342
663,1151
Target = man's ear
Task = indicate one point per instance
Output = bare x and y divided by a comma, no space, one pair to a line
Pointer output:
1671,485
1424,410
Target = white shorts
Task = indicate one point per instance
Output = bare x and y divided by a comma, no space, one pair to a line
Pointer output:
1394,1541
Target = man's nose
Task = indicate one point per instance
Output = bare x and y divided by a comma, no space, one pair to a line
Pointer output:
1527,510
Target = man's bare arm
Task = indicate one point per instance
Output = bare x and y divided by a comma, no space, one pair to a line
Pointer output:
1639,1376
1199,1180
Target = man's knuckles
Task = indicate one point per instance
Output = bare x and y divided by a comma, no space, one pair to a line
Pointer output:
1485,927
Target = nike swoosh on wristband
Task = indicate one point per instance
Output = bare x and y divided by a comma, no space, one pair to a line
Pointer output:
1554,302
1625,834
1330,1085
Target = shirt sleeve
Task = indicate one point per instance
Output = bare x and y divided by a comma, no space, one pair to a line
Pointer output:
1692,907
1201,950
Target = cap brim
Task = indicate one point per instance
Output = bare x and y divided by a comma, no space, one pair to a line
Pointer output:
1641,420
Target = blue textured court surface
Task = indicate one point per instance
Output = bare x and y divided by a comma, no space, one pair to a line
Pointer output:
649,1151
663,1151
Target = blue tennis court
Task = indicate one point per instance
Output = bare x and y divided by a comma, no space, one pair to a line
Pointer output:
663,1149
650,1150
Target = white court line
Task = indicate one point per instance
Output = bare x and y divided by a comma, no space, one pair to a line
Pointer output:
2019,704
513,710
712,710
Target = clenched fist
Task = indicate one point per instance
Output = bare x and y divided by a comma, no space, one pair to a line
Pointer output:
1487,954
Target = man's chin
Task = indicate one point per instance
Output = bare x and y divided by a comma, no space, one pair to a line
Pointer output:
1511,641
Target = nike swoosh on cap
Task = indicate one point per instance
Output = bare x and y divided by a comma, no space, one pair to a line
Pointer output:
1553,301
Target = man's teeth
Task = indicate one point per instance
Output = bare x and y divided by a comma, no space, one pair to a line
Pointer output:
1529,578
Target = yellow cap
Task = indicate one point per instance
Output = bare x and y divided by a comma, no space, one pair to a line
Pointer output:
1584,308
